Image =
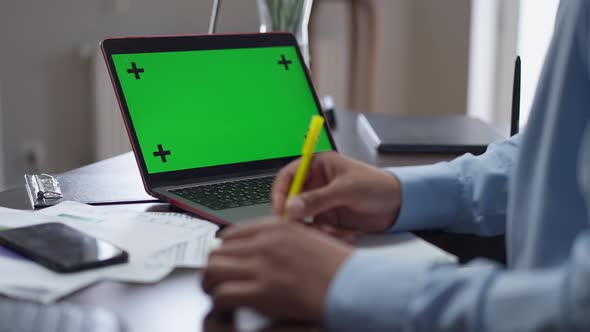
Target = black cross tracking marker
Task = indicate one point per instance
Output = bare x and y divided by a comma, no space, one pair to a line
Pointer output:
162,153
285,62
134,70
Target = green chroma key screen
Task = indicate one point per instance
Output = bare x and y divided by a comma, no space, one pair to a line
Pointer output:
193,109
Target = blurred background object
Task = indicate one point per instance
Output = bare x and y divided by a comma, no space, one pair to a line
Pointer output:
57,107
535,28
287,15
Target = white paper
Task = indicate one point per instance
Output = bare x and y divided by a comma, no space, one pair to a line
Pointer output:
34,282
140,234
156,243
192,237
189,254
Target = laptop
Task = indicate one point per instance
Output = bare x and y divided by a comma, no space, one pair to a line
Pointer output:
212,118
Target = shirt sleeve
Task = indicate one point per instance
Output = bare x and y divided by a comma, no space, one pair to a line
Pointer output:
466,195
383,293
398,295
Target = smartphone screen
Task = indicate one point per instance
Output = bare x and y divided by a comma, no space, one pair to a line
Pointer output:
61,248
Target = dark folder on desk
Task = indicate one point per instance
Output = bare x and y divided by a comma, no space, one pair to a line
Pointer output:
117,183
98,189
452,134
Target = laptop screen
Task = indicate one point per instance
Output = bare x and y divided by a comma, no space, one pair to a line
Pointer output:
193,109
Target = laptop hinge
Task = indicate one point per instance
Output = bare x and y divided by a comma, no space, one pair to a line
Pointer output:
215,178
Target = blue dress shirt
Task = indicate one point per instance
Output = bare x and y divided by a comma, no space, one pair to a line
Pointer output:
534,187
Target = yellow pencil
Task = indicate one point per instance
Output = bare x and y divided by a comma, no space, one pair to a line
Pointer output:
313,133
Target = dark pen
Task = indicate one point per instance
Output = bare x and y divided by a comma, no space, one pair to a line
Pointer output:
515,116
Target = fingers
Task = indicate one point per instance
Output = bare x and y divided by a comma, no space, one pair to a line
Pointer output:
323,189
278,274
234,269
280,186
234,260
222,269
345,235
235,294
248,230
236,248
285,176
314,202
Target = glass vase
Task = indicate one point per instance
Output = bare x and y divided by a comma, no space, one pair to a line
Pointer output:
288,16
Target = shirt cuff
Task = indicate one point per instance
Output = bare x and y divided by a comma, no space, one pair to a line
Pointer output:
371,292
430,196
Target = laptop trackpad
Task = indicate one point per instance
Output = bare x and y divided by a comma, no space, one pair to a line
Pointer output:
245,214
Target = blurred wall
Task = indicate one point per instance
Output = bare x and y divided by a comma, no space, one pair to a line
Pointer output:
437,67
419,64
411,55
45,73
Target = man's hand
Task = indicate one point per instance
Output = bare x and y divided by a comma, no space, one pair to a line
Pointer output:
342,193
282,269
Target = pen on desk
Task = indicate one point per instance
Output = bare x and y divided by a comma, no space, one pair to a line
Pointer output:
515,116
313,133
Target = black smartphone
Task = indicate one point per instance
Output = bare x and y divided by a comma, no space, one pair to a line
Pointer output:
61,248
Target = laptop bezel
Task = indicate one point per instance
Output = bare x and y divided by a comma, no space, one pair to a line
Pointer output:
125,45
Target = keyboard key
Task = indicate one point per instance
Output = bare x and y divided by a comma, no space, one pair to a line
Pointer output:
228,195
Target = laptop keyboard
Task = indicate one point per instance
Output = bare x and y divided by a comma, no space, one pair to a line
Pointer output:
21,316
227,195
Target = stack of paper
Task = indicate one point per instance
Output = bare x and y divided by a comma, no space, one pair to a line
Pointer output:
156,243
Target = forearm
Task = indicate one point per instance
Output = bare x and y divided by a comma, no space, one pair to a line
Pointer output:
381,293
466,195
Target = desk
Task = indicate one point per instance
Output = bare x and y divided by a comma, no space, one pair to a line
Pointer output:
178,303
